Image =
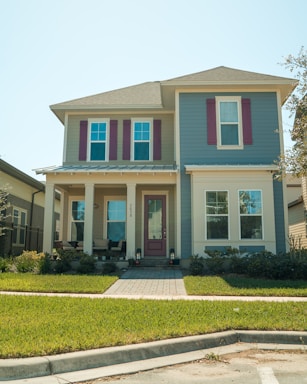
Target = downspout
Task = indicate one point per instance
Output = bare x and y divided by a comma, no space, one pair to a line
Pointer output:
31,216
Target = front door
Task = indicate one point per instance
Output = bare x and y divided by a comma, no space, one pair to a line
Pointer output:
155,225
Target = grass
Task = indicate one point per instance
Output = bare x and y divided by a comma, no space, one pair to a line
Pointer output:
36,326
27,282
240,286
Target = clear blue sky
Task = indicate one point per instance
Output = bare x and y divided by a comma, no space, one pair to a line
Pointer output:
58,50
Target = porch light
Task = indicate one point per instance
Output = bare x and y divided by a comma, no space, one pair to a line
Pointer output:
172,255
138,254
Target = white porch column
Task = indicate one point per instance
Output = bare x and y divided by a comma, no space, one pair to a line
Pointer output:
88,218
130,235
49,218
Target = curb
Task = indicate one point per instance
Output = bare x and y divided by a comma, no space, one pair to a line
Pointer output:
14,369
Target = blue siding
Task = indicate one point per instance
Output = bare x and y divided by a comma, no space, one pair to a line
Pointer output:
194,149
279,217
193,130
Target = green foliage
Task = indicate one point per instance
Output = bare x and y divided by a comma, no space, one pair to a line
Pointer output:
63,262
232,285
4,264
87,264
196,265
50,325
28,282
28,261
109,268
45,265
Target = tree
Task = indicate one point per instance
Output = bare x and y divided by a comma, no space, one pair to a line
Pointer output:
294,160
3,207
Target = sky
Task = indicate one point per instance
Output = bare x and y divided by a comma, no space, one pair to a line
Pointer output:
53,51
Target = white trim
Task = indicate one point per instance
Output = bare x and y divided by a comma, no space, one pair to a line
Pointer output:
238,101
250,215
236,168
142,120
228,215
107,141
65,138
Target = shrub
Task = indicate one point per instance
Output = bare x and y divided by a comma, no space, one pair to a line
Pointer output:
28,261
63,262
45,265
4,264
109,268
87,264
196,266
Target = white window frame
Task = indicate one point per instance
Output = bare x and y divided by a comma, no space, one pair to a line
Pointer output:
250,215
207,215
106,200
142,120
70,221
107,141
236,99
19,225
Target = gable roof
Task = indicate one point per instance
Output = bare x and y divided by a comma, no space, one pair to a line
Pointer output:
149,95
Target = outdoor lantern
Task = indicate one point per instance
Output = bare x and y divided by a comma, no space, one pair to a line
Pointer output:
172,255
138,254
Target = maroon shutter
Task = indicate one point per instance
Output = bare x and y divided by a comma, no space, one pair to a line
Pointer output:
211,122
247,122
157,140
113,140
126,139
83,140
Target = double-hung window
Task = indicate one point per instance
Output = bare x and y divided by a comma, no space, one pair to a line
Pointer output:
229,122
216,209
142,134
98,142
77,220
116,220
20,222
250,202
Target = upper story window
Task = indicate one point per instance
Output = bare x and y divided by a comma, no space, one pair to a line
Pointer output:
98,140
142,139
229,122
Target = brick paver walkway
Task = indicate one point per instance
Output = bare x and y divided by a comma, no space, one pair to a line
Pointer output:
164,282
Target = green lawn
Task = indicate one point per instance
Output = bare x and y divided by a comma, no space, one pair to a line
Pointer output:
240,286
27,282
35,326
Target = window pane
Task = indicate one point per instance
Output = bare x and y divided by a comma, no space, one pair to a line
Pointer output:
217,202
78,208
116,231
250,202
98,151
117,210
229,112
217,227
77,231
23,218
98,131
229,134
155,219
251,227
141,151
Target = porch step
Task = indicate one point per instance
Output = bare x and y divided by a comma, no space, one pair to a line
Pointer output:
156,262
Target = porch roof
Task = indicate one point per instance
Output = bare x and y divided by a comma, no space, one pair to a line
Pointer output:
91,168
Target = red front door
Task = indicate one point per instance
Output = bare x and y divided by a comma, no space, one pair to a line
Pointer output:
155,225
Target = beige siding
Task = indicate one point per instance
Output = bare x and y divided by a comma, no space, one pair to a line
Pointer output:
297,226
73,131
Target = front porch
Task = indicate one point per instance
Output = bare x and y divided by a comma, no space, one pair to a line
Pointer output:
138,209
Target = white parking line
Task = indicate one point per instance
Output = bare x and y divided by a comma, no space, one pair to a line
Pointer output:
267,375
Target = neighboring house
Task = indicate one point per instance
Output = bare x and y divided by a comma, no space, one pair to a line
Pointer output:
297,211
25,215
184,164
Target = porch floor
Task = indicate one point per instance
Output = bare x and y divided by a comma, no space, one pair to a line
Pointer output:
149,282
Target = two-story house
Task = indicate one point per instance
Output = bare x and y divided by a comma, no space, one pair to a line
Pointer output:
184,164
